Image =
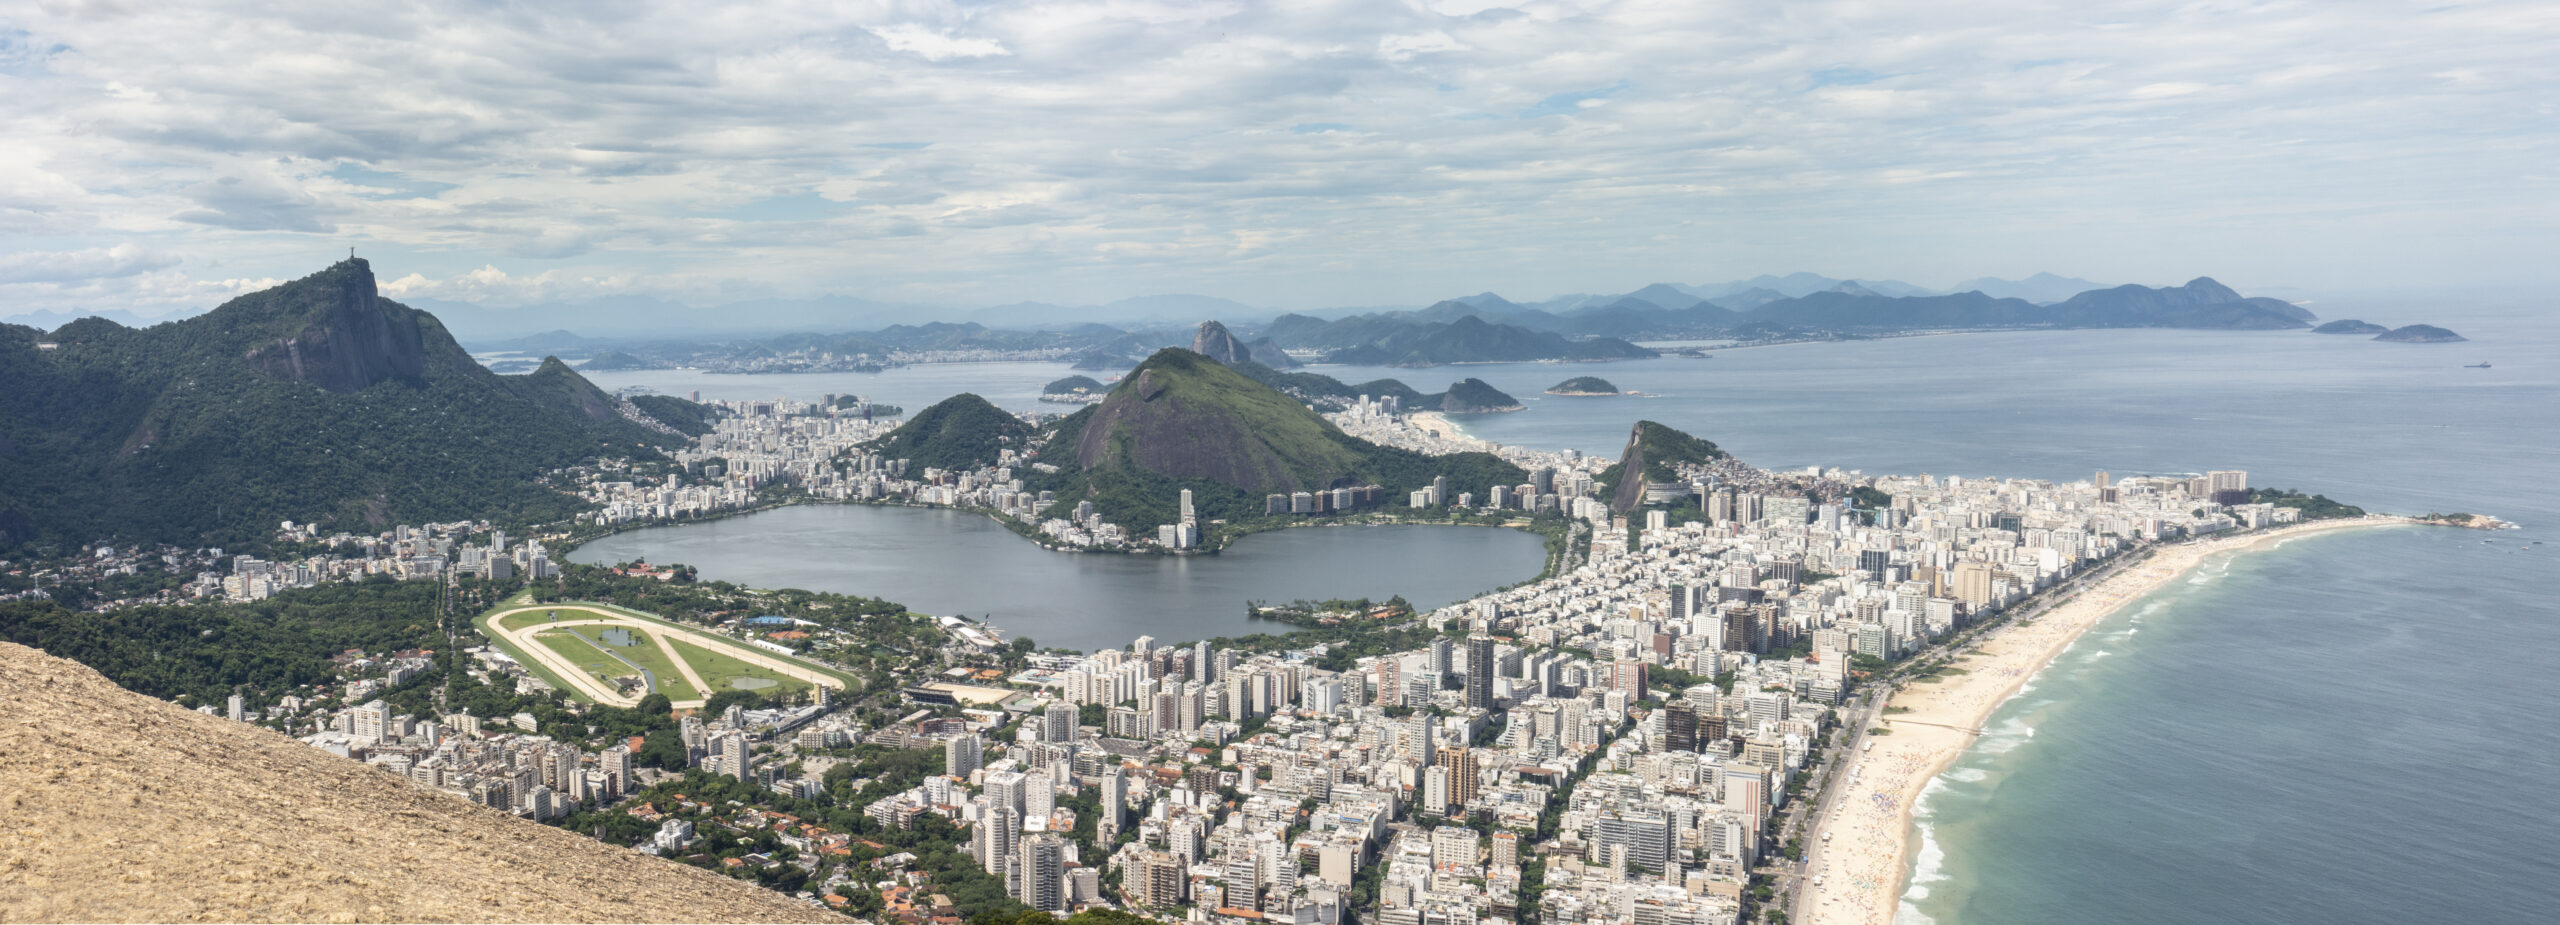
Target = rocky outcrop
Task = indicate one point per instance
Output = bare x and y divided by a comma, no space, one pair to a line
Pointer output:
1217,343
346,337
121,807
1475,396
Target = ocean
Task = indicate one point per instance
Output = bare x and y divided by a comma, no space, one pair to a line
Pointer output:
2356,727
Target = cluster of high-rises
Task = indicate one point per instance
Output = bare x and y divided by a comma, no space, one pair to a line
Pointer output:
432,551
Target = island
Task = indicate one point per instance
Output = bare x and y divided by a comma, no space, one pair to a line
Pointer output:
2350,326
1584,385
2421,334
1474,396
1073,390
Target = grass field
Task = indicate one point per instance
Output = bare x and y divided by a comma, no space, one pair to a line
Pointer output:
581,645
719,670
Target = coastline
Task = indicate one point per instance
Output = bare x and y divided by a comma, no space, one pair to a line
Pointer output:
1867,866
1447,429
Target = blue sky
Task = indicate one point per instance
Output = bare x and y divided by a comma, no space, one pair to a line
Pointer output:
162,157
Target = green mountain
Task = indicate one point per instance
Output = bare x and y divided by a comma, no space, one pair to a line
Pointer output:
315,401
1475,396
1655,453
960,432
1071,385
1584,385
1182,420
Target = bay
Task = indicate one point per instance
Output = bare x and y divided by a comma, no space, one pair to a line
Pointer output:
2351,728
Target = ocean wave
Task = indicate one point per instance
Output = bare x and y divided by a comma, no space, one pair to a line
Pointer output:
1967,775
1928,865
2101,653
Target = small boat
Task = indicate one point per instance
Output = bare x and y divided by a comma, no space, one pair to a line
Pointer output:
2479,365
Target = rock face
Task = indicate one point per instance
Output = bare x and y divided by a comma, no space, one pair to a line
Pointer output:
2421,334
1217,343
1655,452
126,808
1475,396
2350,326
338,332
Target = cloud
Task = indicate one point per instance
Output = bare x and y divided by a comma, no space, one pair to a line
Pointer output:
76,266
255,204
1348,152
937,46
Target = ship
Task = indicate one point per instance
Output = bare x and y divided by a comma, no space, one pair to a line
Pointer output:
2479,365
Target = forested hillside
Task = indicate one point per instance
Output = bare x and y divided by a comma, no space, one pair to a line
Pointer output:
315,401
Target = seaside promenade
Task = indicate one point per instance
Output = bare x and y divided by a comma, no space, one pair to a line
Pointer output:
1864,868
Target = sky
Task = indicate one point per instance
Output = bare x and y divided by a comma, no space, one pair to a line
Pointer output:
160,157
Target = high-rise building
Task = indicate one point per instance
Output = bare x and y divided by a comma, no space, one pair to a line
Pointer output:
1463,777
237,709
1204,668
1058,722
1008,790
1480,673
1160,879
1420,740
734,760
1679,727
963,754
1645,835
1628,676
1443,656
2228,486
995,837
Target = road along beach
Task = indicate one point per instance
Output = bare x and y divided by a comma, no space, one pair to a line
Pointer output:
1862,868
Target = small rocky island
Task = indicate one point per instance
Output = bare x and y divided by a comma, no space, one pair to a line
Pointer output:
2350,326
2421,334
1584,385
1474,396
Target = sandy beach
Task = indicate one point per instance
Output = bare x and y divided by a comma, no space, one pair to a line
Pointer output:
1448,429
1864,867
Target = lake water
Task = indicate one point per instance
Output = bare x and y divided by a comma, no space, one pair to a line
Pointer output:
942,561
2352,728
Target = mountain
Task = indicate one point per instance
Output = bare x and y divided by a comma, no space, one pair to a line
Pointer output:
2201,303
612,360
232,822
1268,353
2421,334
1844,310
1474,340
1667,295
2042,288
1474,396
1184,421
1217,343
2350,326
1584,385
314,401
1071,385
1654,453
960,432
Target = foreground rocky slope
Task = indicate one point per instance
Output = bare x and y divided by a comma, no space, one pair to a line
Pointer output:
118,807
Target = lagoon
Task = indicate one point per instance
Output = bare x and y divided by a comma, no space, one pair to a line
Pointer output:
949,562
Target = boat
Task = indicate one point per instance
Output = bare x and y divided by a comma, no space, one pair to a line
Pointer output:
2480,365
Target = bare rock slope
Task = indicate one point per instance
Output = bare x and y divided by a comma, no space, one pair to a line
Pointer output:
119,807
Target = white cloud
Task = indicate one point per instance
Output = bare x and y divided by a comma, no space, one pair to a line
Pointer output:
82,265
937,46
1344,151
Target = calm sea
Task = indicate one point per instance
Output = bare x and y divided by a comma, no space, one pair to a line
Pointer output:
2352,728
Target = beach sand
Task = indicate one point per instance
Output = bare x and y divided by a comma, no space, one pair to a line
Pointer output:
1449,430
1865,866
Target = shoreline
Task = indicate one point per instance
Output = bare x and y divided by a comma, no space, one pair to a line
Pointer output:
1868,866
